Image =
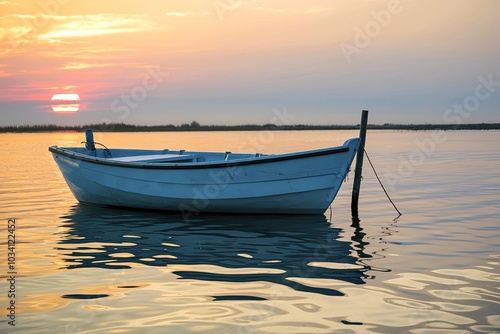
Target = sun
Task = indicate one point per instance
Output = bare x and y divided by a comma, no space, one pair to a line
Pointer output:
65,103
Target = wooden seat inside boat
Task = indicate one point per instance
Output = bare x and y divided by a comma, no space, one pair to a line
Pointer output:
155,158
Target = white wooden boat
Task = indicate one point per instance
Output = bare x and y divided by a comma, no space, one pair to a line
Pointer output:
293,183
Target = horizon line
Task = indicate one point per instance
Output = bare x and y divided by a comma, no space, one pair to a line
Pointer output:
195,126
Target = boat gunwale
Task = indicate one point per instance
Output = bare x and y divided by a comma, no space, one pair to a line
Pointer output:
201,165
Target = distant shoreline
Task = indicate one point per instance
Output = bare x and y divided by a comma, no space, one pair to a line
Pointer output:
194,126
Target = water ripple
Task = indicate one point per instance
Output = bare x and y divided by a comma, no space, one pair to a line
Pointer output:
94,270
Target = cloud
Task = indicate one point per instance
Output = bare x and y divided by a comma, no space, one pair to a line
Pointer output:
183,14
289,10
80,66
96,24
13,28
84,51
21,33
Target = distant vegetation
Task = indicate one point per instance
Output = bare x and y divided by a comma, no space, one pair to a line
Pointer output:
195,126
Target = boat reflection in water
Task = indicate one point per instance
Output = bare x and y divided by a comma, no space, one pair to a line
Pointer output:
285,249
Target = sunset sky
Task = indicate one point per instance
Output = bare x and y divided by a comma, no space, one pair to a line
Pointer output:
249,61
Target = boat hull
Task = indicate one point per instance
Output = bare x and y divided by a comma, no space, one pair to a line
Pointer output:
301,183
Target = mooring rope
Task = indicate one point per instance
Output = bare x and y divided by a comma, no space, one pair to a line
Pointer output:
383,188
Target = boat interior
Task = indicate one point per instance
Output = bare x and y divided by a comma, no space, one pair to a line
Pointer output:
162,156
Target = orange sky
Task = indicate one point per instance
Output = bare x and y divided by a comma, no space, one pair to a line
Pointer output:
231,62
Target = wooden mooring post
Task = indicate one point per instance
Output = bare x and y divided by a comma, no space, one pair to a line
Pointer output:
359,165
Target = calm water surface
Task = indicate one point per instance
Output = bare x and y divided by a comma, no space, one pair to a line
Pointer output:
83,269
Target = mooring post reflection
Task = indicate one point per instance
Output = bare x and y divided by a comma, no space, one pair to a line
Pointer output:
277,249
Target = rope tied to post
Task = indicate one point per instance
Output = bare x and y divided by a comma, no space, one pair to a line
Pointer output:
380,182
